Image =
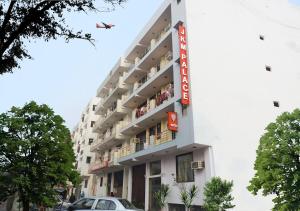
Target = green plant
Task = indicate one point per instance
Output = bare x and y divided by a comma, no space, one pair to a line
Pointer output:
217,195
161,196
277,162
187,196
36,155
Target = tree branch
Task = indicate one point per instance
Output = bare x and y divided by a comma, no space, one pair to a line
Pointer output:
27,20
5,21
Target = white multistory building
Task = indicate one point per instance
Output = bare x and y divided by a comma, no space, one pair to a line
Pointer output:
232,70
83,137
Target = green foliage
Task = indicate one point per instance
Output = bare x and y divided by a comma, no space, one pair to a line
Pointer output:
217,195
277,163
35,154
187,196
22,21
161,195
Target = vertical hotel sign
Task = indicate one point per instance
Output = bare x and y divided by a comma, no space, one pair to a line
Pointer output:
185,97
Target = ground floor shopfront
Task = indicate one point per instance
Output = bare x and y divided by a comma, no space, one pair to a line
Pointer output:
139,180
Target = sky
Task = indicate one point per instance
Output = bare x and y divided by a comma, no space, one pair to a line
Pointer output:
65,76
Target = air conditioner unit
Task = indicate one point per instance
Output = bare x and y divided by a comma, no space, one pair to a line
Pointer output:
197,165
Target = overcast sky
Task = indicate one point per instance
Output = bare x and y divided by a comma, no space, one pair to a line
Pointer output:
66,76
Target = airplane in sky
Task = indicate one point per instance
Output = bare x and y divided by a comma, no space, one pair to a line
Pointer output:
104,25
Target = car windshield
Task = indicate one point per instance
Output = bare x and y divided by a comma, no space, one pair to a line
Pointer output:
126,204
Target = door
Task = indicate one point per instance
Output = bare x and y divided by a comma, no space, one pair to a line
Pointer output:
154,186
108,186
138,185
118,183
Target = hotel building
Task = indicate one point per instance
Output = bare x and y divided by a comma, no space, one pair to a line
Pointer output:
83,137
191,97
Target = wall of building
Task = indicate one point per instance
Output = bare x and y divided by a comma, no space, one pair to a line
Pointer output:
232,94
168,165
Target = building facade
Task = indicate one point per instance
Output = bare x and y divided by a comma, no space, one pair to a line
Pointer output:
191,97
83,137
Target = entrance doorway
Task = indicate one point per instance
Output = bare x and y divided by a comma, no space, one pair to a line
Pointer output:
154,186
108,184
118,183
138,185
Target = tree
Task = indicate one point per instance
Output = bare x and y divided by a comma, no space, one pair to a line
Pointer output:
187,196
161,196
25,20
277,164
217,195
35,154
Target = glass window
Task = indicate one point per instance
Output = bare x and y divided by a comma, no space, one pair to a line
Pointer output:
101,181
105,205
84,204
85,183
88,159
155,168
92,123
184,172
126,204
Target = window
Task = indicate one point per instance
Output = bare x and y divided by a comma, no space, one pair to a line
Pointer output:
105,205
83,204
92,123
101,181
184,172
126,204
86,183
88,159
94,107
276,104
268,68
155,168
261,37
91,141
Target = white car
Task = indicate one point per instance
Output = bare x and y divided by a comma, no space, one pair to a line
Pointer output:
102,203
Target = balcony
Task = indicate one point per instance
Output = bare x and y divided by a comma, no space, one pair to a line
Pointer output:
150,86
153,110
111,137
120,67
138,145
95,167
151,57
115,113
114,92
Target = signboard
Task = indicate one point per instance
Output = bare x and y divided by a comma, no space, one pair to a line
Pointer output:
185,98
172,121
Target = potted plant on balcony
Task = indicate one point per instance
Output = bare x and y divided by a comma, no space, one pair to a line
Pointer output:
161,196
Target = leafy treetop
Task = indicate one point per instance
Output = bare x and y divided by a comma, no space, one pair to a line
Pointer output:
277,163
36,154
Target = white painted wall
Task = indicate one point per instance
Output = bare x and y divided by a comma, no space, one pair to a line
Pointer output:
232,95
168,169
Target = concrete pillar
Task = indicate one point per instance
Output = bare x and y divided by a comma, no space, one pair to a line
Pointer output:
129,196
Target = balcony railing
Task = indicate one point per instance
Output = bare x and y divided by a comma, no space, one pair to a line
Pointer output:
116,107
157,101
96,166
151,46
141,144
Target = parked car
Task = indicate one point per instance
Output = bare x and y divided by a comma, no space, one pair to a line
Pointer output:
102,203
61,205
